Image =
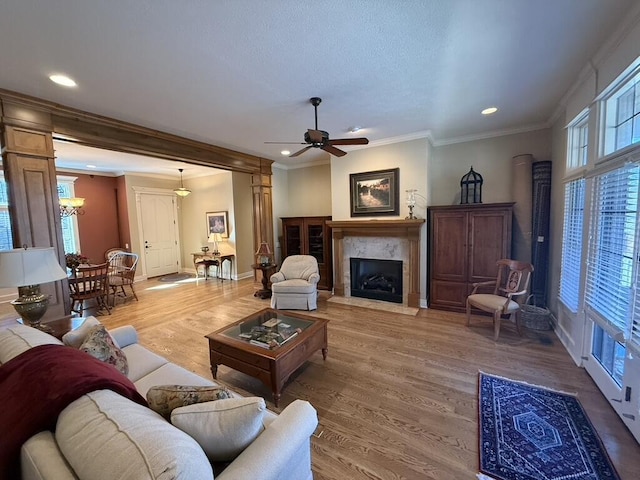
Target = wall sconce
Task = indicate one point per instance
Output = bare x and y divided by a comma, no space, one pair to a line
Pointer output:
71,206
181,191
471,187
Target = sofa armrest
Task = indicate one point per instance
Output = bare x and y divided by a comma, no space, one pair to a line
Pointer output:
274,452
277,277
314,278
124,336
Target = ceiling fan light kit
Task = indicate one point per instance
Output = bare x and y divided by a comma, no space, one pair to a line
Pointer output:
320,138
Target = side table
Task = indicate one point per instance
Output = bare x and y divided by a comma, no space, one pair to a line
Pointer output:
267,270
60,326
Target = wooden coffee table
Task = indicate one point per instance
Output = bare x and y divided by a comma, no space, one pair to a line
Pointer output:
271,352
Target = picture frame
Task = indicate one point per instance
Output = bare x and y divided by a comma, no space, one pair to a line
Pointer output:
375,193
218,222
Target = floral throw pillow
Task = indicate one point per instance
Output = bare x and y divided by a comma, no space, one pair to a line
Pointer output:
165,398
99,344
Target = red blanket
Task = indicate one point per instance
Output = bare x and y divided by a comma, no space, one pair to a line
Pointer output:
38,384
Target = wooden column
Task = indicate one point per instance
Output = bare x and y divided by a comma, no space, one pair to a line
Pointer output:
338,264
261,190
30,173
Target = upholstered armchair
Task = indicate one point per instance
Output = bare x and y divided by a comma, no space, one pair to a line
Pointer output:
295,286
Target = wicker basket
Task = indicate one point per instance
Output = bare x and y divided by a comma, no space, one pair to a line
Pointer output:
536,318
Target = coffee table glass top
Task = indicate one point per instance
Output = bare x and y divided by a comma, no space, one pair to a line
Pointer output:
268,329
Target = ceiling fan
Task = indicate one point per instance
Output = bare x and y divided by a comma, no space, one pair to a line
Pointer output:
320,139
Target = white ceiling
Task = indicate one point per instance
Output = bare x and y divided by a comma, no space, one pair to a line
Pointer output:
237,73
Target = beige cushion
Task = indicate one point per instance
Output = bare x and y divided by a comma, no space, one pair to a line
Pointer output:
299,266
100,345
74,338
20,338
492,302
105,436
223,428
164,398
295,285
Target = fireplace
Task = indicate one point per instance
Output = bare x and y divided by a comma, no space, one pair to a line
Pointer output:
389,239
376,279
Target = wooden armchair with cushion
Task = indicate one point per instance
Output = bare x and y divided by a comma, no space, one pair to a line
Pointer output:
512,282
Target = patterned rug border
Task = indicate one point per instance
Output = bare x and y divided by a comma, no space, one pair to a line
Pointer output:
513,475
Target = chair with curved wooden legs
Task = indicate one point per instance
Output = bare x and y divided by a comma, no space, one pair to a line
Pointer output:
89,282
122,271
512,282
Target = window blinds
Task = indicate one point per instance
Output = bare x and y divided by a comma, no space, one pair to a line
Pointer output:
610,270
572,244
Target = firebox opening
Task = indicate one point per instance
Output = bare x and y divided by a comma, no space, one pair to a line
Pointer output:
376,279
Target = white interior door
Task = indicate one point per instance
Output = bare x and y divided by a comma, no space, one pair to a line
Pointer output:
159,237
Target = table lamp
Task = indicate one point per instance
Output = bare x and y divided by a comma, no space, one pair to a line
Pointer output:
264,255
26,268
215,238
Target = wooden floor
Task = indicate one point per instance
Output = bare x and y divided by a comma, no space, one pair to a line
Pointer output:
397,395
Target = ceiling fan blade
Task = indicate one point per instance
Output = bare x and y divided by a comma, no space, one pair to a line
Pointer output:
348,141
299,152
333,150
315,136
288,143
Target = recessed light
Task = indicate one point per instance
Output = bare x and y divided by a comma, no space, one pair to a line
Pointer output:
63,80
91,166
285,152
489,111
355,129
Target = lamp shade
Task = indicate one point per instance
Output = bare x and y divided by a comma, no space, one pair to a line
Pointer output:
29,266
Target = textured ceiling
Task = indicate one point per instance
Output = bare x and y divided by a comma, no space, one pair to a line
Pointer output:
237,73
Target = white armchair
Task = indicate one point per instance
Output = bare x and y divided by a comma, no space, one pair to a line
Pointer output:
295,286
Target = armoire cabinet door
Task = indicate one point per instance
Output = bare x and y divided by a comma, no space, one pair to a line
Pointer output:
465,242
310,236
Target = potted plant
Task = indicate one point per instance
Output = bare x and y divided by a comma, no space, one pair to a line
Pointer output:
73,260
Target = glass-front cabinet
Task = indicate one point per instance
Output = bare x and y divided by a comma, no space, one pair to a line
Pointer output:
310,236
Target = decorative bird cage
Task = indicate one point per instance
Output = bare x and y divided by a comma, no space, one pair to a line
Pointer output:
471,187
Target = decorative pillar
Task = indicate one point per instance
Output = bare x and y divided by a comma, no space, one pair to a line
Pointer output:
521,194
30,173
261,190
541,175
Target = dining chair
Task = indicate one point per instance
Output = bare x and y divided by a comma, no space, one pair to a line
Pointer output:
89,282
511,282
122,272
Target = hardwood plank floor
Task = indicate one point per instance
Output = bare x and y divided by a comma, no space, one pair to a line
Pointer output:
397,395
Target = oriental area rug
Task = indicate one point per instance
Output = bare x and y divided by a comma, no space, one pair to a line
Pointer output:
534,433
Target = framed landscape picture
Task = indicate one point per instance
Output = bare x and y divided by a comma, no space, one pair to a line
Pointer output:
375,193
217,222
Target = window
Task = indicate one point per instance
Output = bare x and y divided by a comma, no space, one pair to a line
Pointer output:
572,244
69,224
622,116
609,290
6,242
578,141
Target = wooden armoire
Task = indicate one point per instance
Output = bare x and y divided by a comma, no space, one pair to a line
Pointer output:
310,236
465,241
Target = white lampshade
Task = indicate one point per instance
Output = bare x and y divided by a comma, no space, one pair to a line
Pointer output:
29,266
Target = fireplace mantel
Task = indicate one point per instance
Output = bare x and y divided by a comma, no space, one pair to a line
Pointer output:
407,229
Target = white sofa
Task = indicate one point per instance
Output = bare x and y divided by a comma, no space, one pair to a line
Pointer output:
104,435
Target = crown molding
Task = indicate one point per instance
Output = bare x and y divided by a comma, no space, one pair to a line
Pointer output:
492,134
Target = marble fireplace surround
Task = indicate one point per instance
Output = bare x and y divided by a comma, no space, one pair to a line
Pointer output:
383,239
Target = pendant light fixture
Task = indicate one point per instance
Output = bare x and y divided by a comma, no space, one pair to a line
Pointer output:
181,192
